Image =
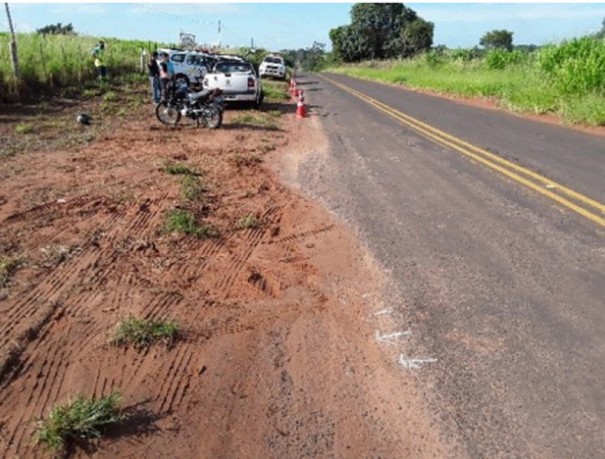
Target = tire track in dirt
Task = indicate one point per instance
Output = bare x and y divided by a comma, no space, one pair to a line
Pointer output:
241,256
302,235
148,213
44,373
177,379
48,373
161,304
48,292
52,209
56,282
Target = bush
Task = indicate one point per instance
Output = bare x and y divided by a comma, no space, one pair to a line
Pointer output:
435,58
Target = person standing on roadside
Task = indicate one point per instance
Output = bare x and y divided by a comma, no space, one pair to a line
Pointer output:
99,54
165,75
154,77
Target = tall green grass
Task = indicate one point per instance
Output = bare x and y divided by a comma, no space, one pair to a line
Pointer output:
566,79
51,62
576,66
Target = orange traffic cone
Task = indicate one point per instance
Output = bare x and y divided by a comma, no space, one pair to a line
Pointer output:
294,91
300,109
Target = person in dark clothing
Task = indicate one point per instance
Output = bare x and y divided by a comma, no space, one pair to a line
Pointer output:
154,77
164,74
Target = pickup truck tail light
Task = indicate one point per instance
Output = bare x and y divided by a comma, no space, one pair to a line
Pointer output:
250,82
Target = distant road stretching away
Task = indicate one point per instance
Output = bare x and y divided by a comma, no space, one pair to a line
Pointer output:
492,228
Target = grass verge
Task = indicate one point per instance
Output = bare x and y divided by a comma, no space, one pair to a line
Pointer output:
143,333
81,419
275,91
257,119
519,88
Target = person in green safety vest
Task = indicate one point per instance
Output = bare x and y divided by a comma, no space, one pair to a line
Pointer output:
99,54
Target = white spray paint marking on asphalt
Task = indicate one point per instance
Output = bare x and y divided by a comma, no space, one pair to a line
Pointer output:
415,363
550,186
383,312
391,336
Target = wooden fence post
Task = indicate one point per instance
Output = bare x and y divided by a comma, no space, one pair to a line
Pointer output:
13,46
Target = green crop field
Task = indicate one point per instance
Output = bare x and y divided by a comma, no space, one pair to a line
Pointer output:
566,79
52,62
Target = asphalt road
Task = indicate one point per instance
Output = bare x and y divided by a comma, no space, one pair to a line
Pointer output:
501,284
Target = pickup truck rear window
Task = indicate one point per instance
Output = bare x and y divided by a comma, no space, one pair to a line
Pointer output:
273,60
232,67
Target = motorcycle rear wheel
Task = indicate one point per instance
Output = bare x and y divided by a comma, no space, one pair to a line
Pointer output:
167,114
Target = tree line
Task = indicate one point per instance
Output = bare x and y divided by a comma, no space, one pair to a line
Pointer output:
393,31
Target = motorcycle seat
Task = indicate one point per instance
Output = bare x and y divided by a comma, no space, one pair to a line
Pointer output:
201,96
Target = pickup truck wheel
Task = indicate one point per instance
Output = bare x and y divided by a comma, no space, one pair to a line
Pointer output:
259,99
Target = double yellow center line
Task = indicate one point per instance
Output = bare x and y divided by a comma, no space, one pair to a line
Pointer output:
583,205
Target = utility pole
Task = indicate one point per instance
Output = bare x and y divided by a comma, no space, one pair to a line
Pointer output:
13,45
220,34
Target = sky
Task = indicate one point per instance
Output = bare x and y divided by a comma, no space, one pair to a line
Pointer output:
276,26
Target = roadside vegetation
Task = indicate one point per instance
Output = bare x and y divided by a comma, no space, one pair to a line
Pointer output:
390,43
275,91
257,119
56,63
83,419
567,79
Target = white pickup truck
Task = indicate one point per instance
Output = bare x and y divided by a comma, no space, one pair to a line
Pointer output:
273,66
238,81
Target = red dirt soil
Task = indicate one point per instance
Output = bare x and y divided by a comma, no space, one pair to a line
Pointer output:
277,357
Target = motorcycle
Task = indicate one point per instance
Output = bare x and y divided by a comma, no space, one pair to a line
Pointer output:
203,107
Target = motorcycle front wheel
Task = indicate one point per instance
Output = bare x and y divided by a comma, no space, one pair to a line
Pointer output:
213,117
167,113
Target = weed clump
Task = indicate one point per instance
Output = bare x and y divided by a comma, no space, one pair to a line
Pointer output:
183,221
192,188
249,221
179,169
142,333
81,419
8,266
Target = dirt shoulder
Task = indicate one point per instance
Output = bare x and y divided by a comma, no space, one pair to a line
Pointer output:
277,356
